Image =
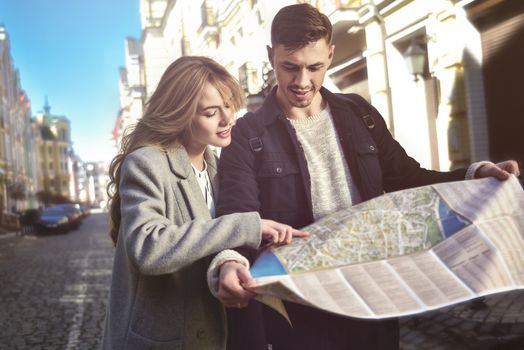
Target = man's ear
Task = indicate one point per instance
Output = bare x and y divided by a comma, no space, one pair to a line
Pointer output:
331,52
270,52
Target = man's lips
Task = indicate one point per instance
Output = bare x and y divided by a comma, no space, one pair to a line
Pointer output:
300,92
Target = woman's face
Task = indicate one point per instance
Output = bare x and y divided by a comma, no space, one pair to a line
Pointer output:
212,122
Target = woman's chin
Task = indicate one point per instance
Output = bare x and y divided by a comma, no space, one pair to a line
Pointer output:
221,143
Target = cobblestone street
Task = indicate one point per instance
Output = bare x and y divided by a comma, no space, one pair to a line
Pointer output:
495,322
54,289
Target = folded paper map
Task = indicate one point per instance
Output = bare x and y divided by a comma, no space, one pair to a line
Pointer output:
404,252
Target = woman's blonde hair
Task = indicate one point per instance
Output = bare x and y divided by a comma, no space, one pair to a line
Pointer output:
166,123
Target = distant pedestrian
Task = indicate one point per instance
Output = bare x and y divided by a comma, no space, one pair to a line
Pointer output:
162,208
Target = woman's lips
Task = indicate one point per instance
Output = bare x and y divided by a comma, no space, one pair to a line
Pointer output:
224,133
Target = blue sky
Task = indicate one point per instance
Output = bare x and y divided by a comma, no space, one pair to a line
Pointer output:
70,50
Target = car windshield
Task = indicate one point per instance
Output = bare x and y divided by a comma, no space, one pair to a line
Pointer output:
53,211
67,207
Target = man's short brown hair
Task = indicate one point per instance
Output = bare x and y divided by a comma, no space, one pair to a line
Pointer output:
297,25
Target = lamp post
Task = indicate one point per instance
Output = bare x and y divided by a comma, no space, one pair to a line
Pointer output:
415,58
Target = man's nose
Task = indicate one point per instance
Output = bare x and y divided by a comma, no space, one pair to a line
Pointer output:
302,78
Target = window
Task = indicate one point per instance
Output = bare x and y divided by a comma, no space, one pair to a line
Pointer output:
248,78
208,18
185,46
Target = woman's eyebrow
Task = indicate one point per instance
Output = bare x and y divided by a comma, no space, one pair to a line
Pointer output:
205,108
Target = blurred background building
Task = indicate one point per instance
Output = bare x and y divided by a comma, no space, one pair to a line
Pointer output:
444,74
17,172
97,180
54,151
38,166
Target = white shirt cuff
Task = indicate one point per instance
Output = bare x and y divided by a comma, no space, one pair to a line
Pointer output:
470,173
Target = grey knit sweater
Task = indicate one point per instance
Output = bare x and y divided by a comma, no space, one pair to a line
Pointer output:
332,188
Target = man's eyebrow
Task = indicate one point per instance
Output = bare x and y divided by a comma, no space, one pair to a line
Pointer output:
317,64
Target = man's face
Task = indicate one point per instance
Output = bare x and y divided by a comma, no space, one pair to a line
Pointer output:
300,73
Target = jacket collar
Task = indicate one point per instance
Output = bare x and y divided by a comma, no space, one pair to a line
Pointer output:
180,163
271,111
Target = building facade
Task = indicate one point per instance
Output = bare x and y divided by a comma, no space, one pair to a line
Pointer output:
97,179
461,105
36,155
54,150
16,149
131,88
458,108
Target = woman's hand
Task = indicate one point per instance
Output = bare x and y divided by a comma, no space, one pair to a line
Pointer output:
277,233
233,278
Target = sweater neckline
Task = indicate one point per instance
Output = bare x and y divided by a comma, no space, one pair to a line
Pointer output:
312,119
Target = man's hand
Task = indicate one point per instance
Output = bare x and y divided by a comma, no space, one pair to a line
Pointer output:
277,233
501,171
233,276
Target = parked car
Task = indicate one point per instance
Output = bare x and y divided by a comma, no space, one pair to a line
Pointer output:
85,209
73,212
52,219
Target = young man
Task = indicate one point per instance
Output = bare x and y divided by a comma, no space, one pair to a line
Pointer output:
304,154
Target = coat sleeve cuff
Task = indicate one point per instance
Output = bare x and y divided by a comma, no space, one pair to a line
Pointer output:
470,173
213,272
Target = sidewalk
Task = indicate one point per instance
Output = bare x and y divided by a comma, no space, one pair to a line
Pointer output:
5,233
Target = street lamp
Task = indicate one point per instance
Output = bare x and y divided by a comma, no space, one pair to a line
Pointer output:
415,58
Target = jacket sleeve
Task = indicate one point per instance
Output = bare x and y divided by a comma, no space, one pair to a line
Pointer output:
399,170
154,243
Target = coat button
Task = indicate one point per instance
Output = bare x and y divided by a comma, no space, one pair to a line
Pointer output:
278,170
372,147
201,333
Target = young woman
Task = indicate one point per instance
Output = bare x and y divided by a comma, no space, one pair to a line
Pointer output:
163,193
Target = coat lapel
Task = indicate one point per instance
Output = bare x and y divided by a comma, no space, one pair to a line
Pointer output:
188,185
212,168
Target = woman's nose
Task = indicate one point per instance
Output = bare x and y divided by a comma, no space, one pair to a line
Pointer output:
227,117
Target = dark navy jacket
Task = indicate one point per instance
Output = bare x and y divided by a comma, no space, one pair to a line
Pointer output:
275,182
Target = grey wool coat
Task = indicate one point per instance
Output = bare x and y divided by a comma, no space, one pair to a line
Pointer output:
159,297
